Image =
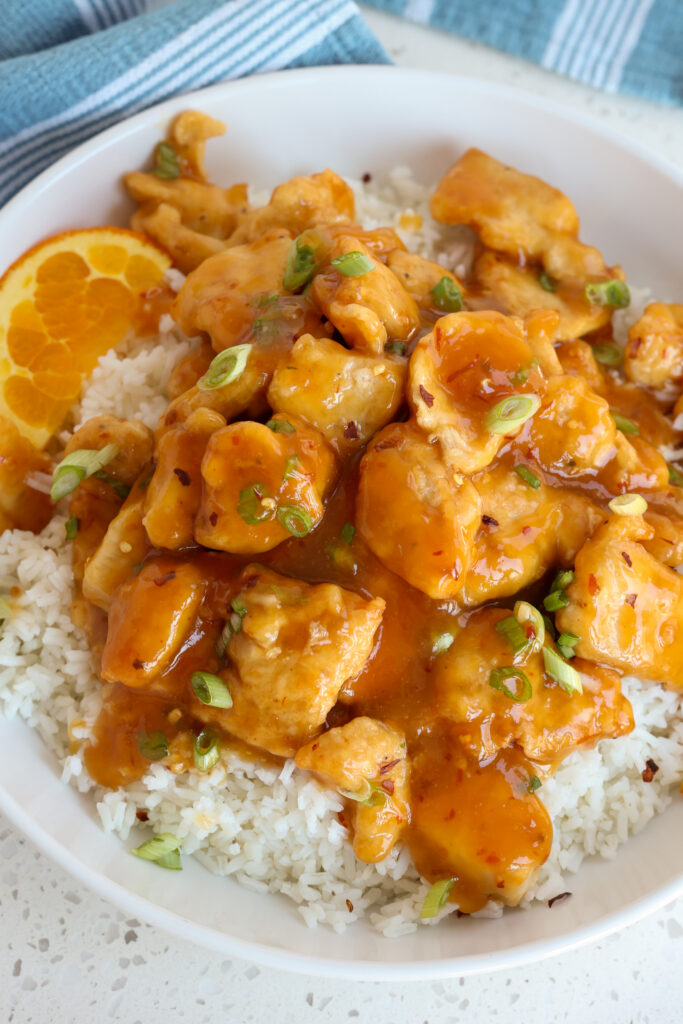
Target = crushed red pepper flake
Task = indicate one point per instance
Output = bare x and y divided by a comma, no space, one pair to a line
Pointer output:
213,518
426,397
391,442
142,815
650,770
489,521
351,431
627,558
383,768
560,898
182,476
388,786
631,599
166,578
593,585
349,904
367,177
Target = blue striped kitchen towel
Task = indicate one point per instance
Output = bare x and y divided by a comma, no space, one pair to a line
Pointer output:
70,68
633,46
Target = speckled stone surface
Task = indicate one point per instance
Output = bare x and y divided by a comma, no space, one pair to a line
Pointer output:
67,957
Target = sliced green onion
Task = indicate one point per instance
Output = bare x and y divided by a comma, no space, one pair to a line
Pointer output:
562,580
206,750
300,266
281,427
547,283
163,850
353,264
497,679
5,609
360,795
211,690
397,348
510,628
447,296
628,505
442,642
625,425
534,784
528,477
562,672
239,607
511,413
120,489
153,745
609,293
290,467
233,625
521,376
555,600
347,533
607,354
550,629
78,466
436,898
71,527
250,506
267,300
225,368
526,614
167,165
675,477
295,519
566,642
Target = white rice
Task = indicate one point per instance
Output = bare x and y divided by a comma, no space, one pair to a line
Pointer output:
277,829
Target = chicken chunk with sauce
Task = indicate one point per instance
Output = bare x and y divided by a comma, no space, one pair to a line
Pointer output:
413,514
347,396
124,546
132,438
262,484
299,204
23,506
367,760
625,606
369,309
654,353
458,374
297,646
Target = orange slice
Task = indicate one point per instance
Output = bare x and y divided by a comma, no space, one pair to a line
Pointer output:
63,304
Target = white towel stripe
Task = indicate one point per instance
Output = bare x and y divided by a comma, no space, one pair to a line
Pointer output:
591,33
562,26
611,81
84,8
614,42
576,38
419,10
605,31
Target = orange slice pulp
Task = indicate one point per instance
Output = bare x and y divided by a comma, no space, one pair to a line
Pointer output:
63,304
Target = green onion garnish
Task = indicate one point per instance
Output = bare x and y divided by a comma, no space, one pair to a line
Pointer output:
447,296
511,413
526,614
555,600
562,579
166,158
675,477
528,477
233,625
497,679
281,427
78,466
120,489
608,354
623,424
290,467
163,850
153,745
534,784
206,750
347,533
442,642
521,376
211,690
436,898
510,628
353,264
562,672
550,629
547,283
250,507
295,519
300,266
397,348
71,527
5,609
609,293
360,795
628,505
225,368
267,300
566,642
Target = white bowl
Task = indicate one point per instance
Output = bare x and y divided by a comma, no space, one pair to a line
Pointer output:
356,119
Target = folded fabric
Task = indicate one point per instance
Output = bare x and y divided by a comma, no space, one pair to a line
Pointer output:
633,46
110,61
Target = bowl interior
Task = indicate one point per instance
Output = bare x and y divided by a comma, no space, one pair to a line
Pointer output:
355,120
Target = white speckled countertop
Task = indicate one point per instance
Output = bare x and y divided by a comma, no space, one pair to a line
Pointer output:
67,957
